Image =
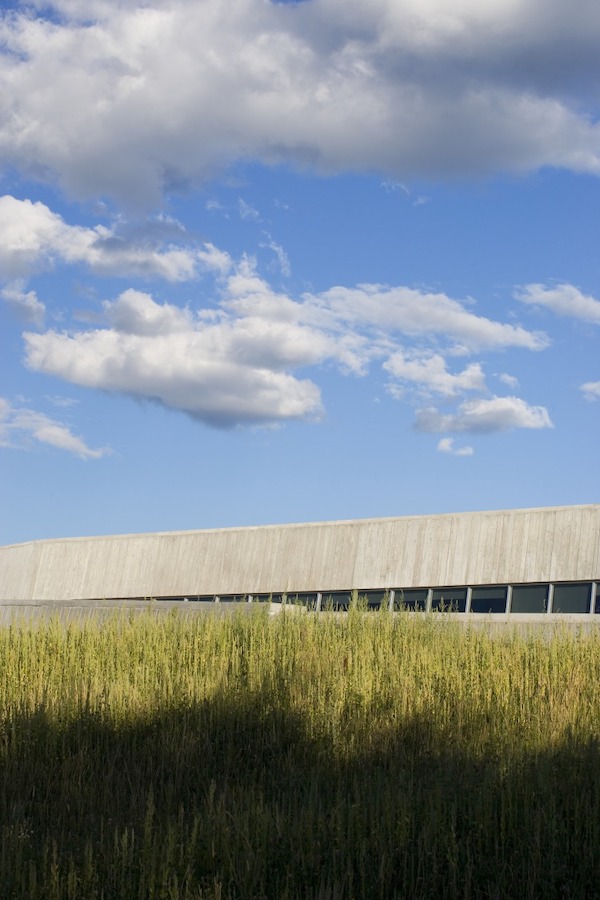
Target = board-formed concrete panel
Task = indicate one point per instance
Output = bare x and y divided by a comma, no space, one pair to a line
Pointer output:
508,546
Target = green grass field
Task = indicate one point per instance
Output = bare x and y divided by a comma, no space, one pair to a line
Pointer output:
365,756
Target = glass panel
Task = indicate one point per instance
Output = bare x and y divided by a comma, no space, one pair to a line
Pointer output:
266,598
304,599
529,598
336,600
450,599
488,599
412,598
597,604
374,599
571,598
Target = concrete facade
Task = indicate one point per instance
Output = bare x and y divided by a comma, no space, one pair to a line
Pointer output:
509,546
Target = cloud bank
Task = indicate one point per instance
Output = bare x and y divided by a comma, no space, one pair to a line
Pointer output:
242,359
33,238
133,99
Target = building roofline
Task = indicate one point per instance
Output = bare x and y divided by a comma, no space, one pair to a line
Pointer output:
291,525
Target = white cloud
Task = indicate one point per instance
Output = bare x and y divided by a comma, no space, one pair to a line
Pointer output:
446,445
215,260
591,390
233,360
564,300
130,99
414,312
430,372
21,427
24,303
484,416
135,312
223,373
509,380
32,237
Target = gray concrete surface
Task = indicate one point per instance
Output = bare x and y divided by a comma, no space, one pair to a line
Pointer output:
508,546
80,611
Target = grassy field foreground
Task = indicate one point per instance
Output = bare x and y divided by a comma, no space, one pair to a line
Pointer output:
367,756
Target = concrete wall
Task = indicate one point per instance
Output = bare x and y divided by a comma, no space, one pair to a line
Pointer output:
511,546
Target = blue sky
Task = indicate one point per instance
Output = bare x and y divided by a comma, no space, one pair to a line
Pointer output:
273,262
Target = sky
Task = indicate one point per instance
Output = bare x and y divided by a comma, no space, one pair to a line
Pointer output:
266,262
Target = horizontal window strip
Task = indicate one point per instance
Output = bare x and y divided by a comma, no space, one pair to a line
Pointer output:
562,598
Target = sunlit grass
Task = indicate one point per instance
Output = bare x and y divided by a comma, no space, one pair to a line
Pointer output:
358,756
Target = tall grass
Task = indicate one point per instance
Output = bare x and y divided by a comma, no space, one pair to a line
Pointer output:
366,756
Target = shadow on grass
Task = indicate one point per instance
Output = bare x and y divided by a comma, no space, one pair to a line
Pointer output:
235,799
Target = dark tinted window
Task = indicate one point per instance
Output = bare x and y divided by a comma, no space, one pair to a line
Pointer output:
571,598
529,598
373,599
488,599
337,600
450,599
411,598
304,599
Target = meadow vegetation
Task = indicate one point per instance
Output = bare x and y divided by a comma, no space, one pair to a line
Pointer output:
298,756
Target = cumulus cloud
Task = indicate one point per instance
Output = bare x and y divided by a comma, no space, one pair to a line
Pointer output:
484,416
32,237
223,373
135,312
430,373
446,445
414,312
235,360
24,303
215,260
22,427
132,99
591,390
563,299
509,380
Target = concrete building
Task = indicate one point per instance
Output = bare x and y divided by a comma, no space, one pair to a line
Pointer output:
510,562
